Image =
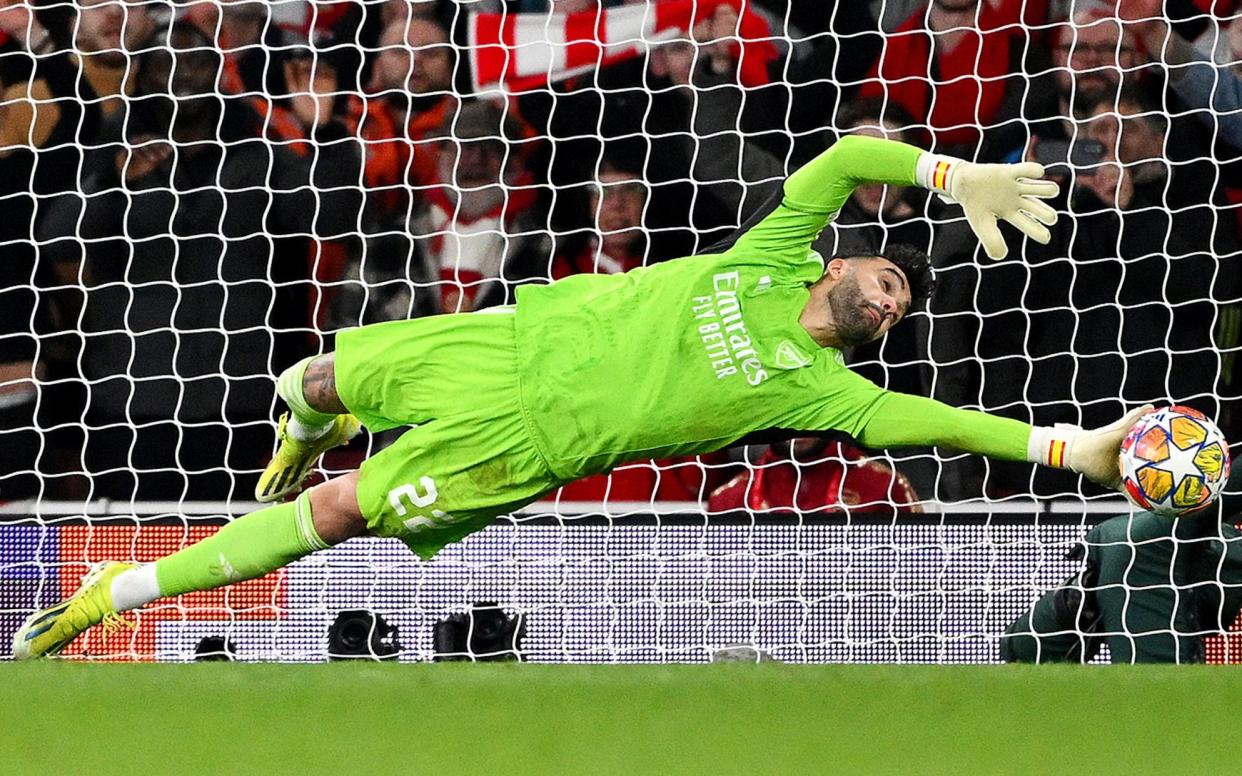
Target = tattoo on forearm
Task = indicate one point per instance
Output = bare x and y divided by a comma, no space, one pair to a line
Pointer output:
319,385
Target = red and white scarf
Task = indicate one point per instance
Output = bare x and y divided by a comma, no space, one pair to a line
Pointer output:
522,51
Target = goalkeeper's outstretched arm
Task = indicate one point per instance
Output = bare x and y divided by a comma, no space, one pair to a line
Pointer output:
988,193
903,420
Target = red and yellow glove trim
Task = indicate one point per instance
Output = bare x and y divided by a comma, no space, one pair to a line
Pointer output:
935,172
1049,445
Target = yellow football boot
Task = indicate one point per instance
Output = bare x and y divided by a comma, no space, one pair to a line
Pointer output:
293,460
47,632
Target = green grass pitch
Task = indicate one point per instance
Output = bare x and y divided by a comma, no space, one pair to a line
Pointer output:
353,718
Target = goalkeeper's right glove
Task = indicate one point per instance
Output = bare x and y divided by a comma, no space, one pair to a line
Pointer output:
988,192
1092,453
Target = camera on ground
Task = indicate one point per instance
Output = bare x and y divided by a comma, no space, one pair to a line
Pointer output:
482,633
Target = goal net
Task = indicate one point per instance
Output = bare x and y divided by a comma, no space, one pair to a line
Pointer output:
197,195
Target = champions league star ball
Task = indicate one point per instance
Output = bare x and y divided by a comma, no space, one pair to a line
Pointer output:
1174,461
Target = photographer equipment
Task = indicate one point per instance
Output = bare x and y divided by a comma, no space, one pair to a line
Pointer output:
215,648
1082,153
360,634
481,633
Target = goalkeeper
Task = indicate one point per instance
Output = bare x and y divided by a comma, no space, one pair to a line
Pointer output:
680,358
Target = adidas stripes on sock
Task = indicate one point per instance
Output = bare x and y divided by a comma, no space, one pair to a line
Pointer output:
246,548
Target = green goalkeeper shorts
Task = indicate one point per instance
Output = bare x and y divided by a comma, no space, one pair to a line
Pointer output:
469,457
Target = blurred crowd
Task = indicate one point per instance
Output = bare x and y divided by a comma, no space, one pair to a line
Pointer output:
194,196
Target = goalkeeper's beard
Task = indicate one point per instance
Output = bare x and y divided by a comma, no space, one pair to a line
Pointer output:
849,313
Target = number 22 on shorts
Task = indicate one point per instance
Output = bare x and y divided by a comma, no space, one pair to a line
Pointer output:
419,500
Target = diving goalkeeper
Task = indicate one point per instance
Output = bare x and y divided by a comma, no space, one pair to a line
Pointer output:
684,357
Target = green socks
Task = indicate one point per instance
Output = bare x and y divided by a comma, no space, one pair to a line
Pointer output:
246,548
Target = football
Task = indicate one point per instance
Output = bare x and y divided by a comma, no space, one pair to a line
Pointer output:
1174,462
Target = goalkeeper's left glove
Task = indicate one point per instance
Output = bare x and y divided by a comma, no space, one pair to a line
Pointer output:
988,192
1093,453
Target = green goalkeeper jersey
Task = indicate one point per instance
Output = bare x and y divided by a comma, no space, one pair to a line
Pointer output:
693,354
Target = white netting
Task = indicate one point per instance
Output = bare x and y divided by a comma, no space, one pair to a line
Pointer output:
196,195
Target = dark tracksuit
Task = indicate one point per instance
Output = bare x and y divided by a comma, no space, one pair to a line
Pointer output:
1150,587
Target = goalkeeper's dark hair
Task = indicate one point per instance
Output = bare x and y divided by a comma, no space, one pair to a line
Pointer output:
912,262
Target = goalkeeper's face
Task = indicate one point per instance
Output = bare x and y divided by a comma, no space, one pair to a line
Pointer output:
864,297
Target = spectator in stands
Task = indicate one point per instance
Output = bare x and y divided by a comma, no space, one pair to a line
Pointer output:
1197,175
1124,305
1138,135
172,239
874,210
23,129
671,479
1145,226
1133,133
957,67
642,110
829,56
399,117
809,474
1092,54
253,44
732,139
63,68
443,12
1168,154
478,228
106,35
85,69
1212,92
85,65
79,79
616,242
408,101
257,54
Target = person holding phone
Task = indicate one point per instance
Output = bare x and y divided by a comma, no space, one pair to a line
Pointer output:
1132,294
